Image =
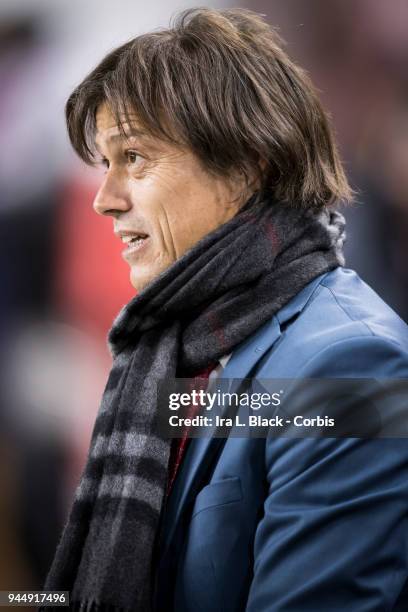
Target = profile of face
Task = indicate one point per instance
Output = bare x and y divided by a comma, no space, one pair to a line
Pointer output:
159,195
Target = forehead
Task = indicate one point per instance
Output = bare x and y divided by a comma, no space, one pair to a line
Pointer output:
107,126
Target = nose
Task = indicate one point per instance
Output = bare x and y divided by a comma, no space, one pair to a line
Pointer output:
111,198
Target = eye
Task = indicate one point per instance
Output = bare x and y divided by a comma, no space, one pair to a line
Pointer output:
133,157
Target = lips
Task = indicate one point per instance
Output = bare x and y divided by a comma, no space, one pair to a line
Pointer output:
135,241
130,236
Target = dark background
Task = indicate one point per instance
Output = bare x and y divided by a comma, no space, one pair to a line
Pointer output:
62,278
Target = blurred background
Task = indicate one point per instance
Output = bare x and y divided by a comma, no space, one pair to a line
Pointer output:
62,277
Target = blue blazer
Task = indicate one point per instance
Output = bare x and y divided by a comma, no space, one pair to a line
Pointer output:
306,524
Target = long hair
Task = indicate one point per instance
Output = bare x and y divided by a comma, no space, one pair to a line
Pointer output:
221,84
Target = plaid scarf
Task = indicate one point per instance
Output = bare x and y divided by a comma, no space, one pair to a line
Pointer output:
206,303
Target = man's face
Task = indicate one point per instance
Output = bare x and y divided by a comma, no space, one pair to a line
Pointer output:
161,199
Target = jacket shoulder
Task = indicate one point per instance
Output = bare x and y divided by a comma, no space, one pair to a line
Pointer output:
355,302
343,319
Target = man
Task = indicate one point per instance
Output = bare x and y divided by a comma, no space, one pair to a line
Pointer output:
221,179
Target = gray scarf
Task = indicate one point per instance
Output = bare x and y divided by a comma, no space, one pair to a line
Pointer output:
210,300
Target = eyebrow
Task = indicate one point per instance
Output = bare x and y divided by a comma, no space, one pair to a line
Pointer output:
132,132
116,137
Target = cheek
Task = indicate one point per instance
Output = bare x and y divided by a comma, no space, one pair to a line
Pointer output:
188,228
146,210
179,208
152,211
198,218
193,219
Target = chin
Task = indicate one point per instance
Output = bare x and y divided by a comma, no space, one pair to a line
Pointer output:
137,282
140,281
140,278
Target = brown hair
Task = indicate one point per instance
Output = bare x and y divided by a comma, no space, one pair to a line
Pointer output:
220,83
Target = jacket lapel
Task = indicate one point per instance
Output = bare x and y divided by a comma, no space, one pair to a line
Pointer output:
201,452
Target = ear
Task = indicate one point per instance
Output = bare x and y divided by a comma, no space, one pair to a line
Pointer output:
255,177
242,187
